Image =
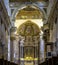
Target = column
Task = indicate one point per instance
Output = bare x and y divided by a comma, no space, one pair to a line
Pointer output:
14,49
9,52
54,39
36,55
12,41
41,48
21,51
9,44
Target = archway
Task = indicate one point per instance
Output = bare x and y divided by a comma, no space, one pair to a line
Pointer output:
28,23
15,12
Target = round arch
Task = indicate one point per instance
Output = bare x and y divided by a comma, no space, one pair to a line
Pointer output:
15,12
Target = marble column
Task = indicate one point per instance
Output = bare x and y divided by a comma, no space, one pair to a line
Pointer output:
41,48
12,41
21,48
16,51
36,55
12,49
9,47
21,51
54,40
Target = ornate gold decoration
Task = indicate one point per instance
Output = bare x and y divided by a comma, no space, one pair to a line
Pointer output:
29,59
28,28
29,13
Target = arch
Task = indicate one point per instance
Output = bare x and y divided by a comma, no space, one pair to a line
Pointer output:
41,9
23,6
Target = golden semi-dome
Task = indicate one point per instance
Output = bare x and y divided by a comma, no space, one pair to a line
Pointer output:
28,28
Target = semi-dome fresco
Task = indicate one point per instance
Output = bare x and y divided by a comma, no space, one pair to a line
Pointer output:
28,28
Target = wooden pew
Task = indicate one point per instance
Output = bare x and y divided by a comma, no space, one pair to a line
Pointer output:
55,60
1,61
5,62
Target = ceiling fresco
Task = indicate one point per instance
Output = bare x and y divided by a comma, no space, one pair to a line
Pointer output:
28,28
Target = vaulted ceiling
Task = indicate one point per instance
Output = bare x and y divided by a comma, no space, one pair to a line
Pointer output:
41,6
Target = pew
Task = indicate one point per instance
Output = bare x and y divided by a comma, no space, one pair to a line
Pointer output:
48,61
5,62
55,60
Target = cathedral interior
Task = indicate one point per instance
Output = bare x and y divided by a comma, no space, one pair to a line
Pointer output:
28,32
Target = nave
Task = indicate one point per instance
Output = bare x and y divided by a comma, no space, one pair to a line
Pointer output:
28,32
